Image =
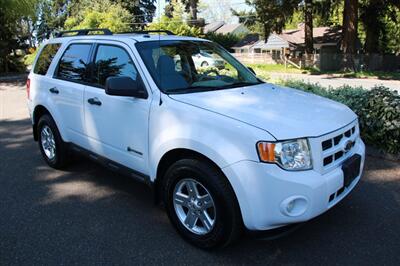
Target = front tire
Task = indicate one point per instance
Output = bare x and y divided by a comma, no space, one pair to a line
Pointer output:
54,150
201,204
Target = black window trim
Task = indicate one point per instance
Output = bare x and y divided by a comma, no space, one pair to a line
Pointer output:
92,62
88,74
52,61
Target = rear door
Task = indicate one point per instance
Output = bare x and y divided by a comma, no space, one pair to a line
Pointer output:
116,126
67,88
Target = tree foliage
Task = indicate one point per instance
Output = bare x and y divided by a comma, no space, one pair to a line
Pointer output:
273,15
175,22
14,31
142,11
376,16
102,14
225,40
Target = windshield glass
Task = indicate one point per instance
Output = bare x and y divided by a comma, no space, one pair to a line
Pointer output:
193,66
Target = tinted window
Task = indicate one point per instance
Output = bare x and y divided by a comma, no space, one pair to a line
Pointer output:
45,58
193,66
73,63
112,61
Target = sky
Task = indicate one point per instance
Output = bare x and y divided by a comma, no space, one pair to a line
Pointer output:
214,10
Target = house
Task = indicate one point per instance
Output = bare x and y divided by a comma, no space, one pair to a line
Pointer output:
246,43
289,45
221,27
213,26
275,46
325,38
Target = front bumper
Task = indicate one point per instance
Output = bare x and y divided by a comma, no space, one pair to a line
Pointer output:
264,190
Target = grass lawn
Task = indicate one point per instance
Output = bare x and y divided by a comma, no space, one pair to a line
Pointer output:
264,70
373,74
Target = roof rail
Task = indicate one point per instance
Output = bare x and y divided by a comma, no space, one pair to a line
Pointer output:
148,32
82,32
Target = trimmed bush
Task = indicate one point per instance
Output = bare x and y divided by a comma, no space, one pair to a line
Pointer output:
378,111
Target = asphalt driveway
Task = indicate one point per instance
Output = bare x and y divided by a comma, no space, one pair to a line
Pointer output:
89,215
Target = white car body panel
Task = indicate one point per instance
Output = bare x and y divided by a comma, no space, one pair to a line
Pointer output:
285,113
221,139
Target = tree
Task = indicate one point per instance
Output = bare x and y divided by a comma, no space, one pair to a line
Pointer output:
375,16
142,11
308,27
12,35
191,8
273,15
175,23
350,36
249,19
393,33
103,14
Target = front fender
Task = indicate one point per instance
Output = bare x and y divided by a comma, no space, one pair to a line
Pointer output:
176,125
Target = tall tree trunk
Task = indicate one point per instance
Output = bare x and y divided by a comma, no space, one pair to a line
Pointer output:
193,9
373,25
349,41
308,27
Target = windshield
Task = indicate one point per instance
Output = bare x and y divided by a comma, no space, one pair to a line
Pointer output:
181,67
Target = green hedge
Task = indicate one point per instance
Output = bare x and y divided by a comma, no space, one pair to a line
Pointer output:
378,111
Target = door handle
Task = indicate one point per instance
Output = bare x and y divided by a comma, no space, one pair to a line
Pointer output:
94,101
54,90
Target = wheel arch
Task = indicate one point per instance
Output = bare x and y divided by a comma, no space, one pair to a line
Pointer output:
38,112
172,156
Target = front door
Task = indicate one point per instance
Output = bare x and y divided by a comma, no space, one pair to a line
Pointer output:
116,127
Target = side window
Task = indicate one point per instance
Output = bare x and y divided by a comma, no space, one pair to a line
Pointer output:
73,63
45,58
112,61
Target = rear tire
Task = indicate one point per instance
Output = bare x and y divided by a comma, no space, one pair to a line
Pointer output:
225,221
54,150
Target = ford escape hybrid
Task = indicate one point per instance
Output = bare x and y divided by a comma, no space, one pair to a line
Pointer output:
222,150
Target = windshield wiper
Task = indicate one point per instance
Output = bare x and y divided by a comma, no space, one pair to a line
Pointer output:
210,88
191,89
241,84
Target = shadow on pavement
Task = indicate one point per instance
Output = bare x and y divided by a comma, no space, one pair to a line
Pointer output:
89,215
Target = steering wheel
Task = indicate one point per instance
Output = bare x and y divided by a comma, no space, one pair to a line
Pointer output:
205,76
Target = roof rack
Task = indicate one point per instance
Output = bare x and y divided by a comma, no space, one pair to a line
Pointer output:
149,31
82,32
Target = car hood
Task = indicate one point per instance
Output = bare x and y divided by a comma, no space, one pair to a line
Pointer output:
283,112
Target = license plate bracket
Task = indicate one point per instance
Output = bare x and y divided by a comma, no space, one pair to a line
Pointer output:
351,169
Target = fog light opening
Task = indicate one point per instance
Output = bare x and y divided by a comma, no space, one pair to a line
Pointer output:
294,206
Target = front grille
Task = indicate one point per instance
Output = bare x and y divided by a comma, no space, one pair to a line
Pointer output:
332,150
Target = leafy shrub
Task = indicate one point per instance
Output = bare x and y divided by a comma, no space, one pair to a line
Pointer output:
29,58
378,111
14,64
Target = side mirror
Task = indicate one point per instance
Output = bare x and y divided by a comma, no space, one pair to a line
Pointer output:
125,86
252,70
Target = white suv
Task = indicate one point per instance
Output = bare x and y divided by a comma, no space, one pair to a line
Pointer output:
223,150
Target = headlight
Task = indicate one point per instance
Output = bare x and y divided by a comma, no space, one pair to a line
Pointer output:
290,155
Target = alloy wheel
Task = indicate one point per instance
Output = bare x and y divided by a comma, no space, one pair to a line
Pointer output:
194,206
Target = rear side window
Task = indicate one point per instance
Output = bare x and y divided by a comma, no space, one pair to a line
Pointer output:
45,58
112,61
73,63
